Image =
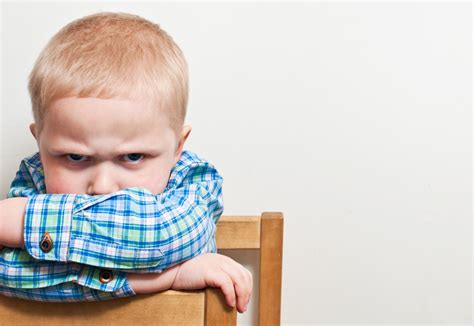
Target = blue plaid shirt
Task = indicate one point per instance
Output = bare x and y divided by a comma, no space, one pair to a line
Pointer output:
132,230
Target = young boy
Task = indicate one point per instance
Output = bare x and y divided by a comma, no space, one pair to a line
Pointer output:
112,205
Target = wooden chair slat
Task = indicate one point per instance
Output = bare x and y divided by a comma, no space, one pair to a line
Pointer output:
237,232
202,307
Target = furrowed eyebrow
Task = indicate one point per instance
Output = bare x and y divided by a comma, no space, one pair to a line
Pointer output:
78,151
69,150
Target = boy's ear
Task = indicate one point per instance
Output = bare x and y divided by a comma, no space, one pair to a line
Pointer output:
184,135
33,130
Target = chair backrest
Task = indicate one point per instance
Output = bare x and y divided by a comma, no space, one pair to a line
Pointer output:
203,307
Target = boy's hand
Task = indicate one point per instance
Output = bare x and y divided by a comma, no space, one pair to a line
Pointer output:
216,270
208,269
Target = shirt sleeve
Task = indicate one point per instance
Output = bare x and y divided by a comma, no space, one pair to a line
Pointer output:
132,229
22,276
65,292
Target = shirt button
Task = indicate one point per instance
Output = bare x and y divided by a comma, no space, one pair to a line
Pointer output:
105,276
46,243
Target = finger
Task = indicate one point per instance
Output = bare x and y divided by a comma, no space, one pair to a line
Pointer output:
249,284
242,291
250,277
242,281
224,282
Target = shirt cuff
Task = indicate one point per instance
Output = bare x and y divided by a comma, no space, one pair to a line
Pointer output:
47,231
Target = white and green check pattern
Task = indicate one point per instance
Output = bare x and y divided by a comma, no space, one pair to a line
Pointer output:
132,230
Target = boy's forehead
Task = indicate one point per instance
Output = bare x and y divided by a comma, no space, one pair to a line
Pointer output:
91,111
118,122
113,105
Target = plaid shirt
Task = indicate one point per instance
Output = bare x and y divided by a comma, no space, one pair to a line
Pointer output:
132,230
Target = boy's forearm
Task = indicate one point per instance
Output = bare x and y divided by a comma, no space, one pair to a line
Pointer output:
153,282
12,212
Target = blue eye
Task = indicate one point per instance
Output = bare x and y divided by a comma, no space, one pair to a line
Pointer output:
75,158
134,158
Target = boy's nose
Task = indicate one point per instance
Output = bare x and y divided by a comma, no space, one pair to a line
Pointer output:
102,182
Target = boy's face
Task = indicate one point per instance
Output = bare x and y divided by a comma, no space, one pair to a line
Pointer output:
97,146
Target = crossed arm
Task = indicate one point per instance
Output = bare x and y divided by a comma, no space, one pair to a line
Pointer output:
128,231
125,230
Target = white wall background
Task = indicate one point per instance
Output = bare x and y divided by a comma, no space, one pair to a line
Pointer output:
354,119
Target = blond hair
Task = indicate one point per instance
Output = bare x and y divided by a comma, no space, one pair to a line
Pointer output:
111,55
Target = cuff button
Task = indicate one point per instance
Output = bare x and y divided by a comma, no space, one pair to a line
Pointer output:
105,276
46,243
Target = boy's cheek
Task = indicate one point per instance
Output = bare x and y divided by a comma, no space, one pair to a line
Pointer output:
159,188
156,184
61,187
58,182
54,181
154,178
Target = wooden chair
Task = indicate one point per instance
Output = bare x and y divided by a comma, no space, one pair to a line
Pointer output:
203,307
